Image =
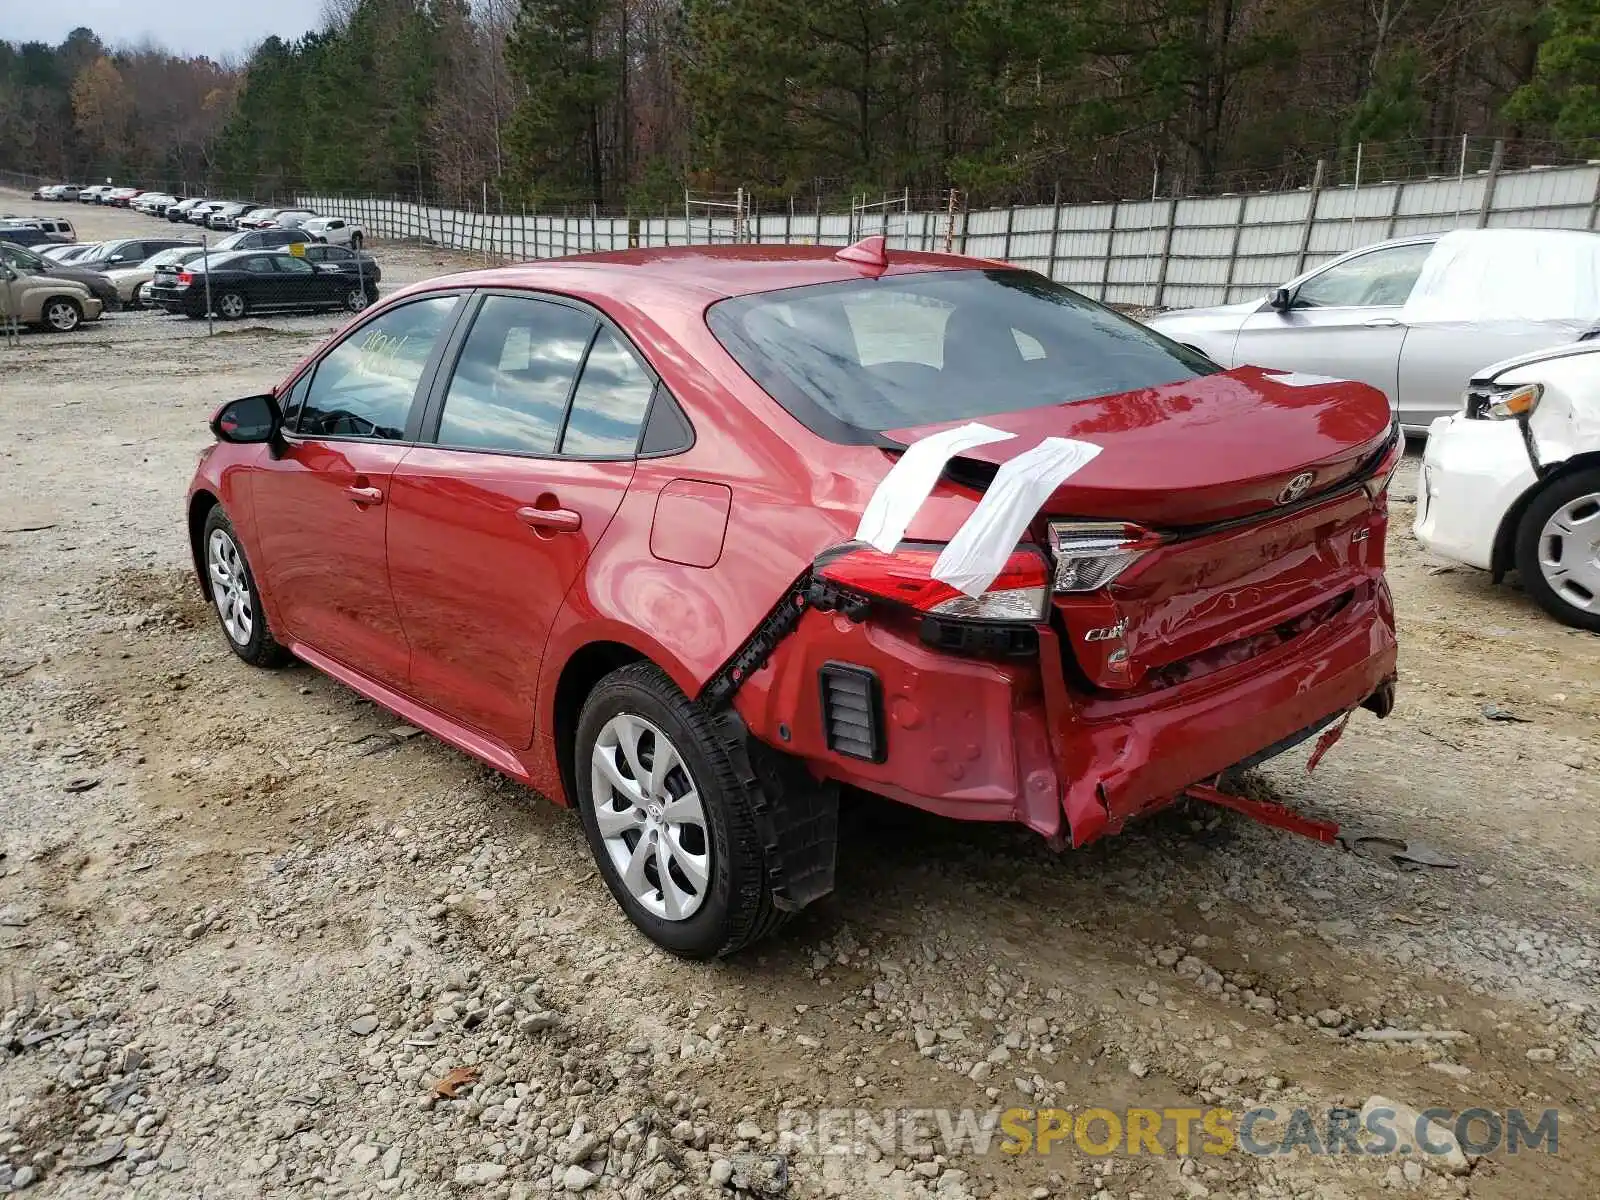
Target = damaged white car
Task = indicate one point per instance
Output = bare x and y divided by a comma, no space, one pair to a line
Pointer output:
1513,480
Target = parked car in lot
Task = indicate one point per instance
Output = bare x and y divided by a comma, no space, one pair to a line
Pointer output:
336,231
58,229
351,262
45,301
128,252
1512,481
27,235
226,216
65,252
258,218
92,194
262,239
154,204
179,211
1412,316
293,218
122,197
240,282
132,282
25,262
200,214
691,538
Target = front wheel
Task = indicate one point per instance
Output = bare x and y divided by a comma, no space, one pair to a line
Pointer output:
62,314
355,299
234,594
667,819
1558,549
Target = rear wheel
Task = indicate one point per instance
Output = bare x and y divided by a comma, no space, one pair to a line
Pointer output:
234,594
355,241
1558,549
231,306
62,314
667,820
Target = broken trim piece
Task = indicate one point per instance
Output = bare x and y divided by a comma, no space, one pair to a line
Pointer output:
902,492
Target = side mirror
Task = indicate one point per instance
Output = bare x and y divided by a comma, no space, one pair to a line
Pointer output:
253,420
1281,300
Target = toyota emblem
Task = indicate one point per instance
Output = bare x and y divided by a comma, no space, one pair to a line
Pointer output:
1296,487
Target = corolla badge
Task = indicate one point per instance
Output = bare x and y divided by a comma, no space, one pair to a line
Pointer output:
1108,633
1296,487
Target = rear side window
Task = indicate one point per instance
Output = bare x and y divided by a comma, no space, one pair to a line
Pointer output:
364,386
853,359
511,384
610,403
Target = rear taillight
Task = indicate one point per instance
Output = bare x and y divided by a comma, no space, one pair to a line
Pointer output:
186,277
1019,592
1377,485
1090,554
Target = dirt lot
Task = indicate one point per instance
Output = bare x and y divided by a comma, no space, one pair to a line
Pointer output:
243,930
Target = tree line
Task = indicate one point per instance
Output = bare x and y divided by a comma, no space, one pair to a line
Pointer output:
627,102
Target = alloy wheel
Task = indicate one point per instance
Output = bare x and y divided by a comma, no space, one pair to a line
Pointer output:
230,588
231,306
61,315
355,300
648,811
1569,552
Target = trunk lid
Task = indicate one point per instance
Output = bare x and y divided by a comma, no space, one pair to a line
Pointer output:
1214,448
1251,558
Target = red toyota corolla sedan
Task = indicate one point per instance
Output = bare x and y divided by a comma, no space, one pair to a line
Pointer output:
694,538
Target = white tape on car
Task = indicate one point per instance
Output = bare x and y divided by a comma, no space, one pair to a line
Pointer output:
987,539
901,492
1301,379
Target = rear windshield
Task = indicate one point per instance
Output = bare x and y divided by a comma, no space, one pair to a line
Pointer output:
853,359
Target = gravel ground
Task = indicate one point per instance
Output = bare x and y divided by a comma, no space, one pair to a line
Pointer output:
248,930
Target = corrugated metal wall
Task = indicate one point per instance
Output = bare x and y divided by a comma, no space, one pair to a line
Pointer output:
1152,253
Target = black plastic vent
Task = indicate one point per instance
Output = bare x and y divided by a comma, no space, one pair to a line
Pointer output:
852,711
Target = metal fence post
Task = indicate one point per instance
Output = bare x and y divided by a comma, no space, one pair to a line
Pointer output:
205,261
1594,205
1166,253
1011,220
1111,246
1055,234
1311,215
1394,209
1496,157
1233,251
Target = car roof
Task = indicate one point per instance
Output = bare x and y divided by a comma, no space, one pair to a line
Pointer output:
706,272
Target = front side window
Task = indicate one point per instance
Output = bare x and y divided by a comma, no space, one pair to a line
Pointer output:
853,359
1377,279
364,386
510,387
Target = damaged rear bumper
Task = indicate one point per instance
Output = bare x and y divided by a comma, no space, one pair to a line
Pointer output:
995,739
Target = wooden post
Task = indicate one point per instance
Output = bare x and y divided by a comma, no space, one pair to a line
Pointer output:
1166,253
1496,157
1311,215
1233,251
950,223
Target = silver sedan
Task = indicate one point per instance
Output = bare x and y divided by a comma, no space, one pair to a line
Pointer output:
1414,317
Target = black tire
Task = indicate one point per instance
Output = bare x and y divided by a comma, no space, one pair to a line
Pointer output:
260,649
1564,491
355,242
355,300
737,909
238,304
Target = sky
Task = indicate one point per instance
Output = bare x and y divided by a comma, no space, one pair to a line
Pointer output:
217,28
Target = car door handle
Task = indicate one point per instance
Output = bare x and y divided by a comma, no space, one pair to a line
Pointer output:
1381,323
559,520
364,495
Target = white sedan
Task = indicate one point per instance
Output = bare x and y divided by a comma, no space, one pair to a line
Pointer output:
1513,480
